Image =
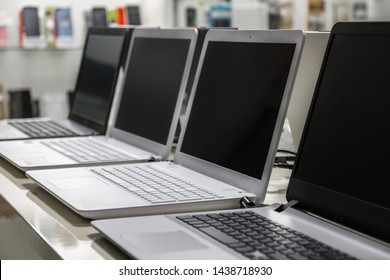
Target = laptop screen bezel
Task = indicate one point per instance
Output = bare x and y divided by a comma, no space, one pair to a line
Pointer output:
163,150
100,128
242,181
338,207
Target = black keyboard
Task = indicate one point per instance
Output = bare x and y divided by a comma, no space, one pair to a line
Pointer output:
259,238
42,129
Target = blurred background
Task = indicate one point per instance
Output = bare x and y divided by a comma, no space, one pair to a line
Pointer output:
41,41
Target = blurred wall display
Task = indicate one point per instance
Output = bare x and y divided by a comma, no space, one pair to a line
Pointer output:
5,21
30,29
316,15
134,12
250,14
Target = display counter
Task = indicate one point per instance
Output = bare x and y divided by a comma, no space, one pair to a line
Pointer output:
35,225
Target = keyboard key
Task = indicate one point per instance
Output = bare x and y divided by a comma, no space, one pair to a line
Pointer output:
218,235
256,255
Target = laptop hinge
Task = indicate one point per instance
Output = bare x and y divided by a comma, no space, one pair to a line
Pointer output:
283,207
245,202
151,159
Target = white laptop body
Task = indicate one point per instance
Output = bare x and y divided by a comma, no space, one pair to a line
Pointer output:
148,108
228,143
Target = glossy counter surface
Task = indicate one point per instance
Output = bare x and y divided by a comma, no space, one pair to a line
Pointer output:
34,225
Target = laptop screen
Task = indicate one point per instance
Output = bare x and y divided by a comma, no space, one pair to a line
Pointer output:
343,162
152,85
97,79
247,81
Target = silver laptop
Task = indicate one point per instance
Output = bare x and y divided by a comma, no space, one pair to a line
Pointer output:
304,85
103,54
226,147
146,119
339,199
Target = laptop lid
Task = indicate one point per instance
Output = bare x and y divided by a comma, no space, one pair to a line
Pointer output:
96,82
153,88
305,82
249,75
342,161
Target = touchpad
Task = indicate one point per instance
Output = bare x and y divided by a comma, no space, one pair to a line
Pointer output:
163,242
76,183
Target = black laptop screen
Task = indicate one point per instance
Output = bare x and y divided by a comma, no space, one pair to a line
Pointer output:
345,146
343,162
152,86
237,101
97,78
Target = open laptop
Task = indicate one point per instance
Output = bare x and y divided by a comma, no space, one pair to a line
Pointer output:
302,93
101,61
226,147
148,109
338,192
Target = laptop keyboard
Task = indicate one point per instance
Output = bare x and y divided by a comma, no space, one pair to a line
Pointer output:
154,184
257,237
38,129
86,150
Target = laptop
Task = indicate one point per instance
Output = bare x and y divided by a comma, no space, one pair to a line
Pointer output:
338,192
302,93
148,109
99,68
226,147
